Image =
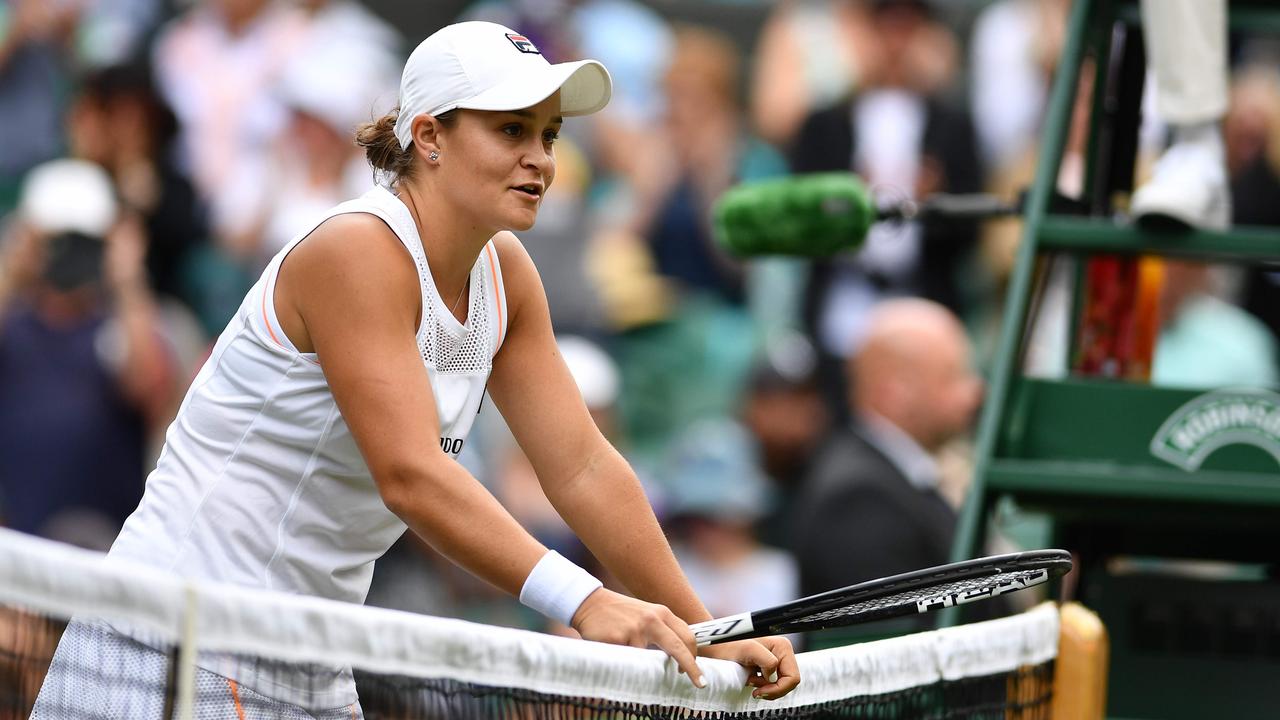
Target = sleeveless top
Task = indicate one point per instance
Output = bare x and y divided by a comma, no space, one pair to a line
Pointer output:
260,482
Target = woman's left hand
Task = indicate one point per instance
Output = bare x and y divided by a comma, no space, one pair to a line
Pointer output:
762,657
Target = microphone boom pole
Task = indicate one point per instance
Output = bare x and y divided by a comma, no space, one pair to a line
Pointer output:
820,214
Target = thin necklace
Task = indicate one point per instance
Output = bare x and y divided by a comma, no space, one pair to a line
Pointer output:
453,310
412,212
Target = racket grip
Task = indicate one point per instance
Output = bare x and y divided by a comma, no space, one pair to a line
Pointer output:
722,629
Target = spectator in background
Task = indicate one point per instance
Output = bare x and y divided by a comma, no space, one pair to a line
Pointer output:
313,165
43,43
1205,341
34,38
898,135
83,367
1013,52
689,357
809,55
870,506
1252,134
218,66
1252,131
710,150
348,30
718,493
118,121
785,412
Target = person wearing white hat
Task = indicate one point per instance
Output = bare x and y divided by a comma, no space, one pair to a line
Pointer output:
84,368
368,344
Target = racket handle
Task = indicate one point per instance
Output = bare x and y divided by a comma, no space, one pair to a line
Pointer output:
722,629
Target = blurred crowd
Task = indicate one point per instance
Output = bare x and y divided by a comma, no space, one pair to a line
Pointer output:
799,425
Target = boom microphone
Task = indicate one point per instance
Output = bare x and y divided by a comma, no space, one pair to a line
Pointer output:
824,213
809,215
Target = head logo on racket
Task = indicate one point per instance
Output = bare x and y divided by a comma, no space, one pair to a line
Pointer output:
981,593
725,627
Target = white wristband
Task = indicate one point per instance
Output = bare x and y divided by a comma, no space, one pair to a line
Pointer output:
556,587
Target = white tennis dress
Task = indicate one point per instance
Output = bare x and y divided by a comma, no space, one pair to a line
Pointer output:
260,482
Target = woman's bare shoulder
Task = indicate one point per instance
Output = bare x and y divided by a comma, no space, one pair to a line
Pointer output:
355,242
350,253
510,249
518,270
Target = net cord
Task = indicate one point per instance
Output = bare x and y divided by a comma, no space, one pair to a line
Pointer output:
62,581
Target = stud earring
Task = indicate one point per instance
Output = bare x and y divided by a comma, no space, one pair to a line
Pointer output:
433,156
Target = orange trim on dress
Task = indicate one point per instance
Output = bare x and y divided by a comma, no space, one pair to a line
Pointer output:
266,320
235,698
500,295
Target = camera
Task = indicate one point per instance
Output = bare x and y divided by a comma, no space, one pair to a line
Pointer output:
73,260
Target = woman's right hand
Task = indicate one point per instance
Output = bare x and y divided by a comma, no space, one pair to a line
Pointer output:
607,616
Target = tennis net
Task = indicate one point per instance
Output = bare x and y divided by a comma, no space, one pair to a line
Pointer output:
83,637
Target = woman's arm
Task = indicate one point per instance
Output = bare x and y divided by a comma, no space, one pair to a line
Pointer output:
350,293
589,483
587,480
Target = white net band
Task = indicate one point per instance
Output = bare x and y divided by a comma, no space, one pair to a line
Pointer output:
63,582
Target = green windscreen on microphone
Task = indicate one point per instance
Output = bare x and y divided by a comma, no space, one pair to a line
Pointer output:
807,215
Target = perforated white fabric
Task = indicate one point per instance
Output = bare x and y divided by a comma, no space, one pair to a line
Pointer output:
448,347
453,349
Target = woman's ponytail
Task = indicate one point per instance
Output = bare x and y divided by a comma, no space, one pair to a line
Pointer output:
382,147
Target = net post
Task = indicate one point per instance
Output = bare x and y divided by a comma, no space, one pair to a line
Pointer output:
1080,675
186,684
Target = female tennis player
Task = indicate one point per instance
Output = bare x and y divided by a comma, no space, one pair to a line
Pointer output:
330,413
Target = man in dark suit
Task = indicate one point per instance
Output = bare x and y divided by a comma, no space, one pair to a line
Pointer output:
899,134
870,506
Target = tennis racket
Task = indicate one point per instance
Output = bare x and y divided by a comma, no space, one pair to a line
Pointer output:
910,593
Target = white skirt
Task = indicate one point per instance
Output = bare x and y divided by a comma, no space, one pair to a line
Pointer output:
99,673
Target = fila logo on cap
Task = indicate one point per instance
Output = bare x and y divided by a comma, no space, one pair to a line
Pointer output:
523,44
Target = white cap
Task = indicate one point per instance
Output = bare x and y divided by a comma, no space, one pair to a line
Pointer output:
68,196
485,66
